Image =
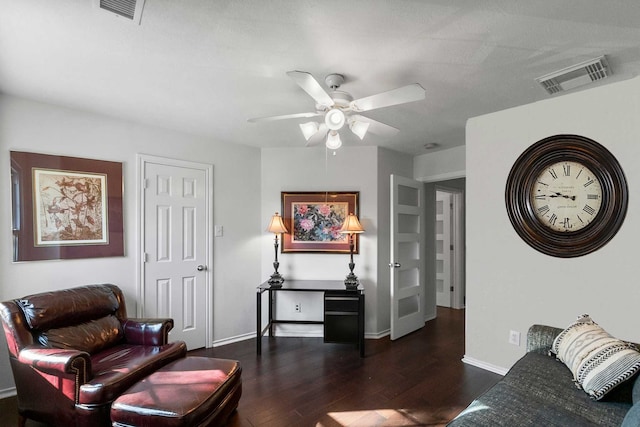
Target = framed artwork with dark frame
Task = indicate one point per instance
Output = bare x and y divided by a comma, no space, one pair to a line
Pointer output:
65,207
314,220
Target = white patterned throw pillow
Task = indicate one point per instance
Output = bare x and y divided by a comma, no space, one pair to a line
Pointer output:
598,361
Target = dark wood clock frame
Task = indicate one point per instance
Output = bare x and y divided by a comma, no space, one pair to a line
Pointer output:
527,168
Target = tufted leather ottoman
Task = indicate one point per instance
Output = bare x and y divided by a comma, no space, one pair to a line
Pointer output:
192,391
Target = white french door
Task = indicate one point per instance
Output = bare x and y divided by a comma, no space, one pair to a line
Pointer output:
176,219
444,285
406,258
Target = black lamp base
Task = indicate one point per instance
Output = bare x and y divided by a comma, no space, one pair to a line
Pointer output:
351,282
276,280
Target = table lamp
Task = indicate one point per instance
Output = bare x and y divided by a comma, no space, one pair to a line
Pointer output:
276,226
351,226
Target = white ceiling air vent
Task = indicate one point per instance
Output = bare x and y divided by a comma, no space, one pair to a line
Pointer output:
129,9
576,75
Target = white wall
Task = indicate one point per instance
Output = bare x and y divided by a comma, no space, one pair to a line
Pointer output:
35,127
440,165
313,169
510,286
365,169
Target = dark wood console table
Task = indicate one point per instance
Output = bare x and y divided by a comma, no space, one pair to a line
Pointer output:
343,310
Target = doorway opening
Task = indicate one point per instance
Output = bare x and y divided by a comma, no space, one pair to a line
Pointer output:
449,244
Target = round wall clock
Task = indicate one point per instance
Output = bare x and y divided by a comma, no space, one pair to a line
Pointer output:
566,196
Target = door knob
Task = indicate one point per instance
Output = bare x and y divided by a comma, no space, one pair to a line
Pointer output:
201,267
395,265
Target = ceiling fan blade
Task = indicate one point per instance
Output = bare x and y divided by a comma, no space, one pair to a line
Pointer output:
375,126
310,85
286,116
401,95
318,137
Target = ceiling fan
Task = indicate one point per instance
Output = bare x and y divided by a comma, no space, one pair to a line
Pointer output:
338,108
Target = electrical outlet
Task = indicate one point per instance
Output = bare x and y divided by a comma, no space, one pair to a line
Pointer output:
514,338
298,307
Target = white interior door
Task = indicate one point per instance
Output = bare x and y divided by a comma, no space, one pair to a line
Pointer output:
444,285
176,224
406,262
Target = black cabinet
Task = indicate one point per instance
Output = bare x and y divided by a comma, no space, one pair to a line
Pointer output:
341,317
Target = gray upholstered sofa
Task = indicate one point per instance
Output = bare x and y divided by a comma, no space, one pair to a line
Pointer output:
539,391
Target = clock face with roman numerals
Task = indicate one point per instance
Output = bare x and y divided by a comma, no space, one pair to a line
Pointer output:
566,196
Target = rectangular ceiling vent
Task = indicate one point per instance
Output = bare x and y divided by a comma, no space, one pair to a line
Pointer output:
129,9
576,75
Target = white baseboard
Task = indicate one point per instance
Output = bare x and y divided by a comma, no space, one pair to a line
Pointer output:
231,340
367,336
300,331
7,392
486,366
297,333
377,336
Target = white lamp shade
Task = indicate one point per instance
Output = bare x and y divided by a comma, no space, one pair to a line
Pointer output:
359,128
309,129
276,225
333,140
351,225
334,119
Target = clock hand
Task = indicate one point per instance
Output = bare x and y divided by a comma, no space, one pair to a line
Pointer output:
563,195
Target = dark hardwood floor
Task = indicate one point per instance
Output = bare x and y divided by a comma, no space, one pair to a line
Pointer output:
418,380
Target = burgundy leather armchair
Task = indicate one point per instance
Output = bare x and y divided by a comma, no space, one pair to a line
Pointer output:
74,351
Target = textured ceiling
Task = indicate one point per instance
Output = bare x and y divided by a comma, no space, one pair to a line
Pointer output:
205,67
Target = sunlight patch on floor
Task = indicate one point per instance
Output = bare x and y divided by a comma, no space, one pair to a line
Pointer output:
372,418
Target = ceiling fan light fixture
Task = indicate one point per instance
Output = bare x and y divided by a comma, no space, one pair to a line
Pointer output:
333,140
309,129
334,119
337,108
359,128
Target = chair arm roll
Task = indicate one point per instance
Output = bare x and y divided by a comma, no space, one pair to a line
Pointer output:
58,361
147,331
